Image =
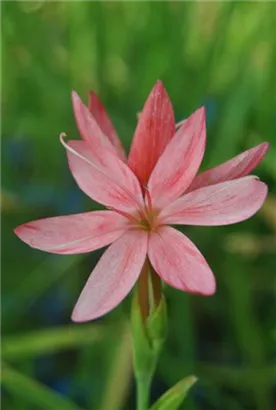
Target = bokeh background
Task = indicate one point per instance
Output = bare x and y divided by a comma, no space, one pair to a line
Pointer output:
221,54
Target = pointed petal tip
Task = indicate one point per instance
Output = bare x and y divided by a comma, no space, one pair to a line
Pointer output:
209,289
16,231
200,112
260,150
76,101
263,192
82,317
77,317
74,95
206,289
159,83
159,87
19,231
74,317
197,117
23,231
265,146
93,96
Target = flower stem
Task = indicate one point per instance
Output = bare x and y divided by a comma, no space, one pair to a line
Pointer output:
143,392
149,329
143,291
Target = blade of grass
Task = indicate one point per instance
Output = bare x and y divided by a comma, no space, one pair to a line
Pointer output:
239,378
33,392
38,282
50,340
247,329
119,377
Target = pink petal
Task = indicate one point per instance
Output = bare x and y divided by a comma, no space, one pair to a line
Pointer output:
100,115
113,277
89,130
179,263
73,233
107,180
154,130
180,161
237,167
221,204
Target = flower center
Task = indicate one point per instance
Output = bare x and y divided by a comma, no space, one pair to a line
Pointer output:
146,219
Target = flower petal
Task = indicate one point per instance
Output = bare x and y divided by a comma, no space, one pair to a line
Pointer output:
89,130
100,115
237,167
179,263
221,204
107,180
113,277
179,162
154,130
73,233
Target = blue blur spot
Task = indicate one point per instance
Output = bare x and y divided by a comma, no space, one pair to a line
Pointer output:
51,309
62,385
38,195
211,106
17,150
70,201
64,201
44,366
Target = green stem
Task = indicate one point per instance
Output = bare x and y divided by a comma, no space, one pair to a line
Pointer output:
143,392
149,329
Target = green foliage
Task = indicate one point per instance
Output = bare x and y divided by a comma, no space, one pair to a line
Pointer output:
33,392
172,399
50,340
221,54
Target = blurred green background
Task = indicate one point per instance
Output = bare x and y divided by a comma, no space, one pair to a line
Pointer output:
221,54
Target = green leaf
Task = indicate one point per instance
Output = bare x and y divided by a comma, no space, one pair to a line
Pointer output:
172,399
47,341
33,392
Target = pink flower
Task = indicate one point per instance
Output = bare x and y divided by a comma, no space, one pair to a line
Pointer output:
155,187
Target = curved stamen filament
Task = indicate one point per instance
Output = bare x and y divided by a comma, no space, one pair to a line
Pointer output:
179,124
148,199
62,136
145,216
101,169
